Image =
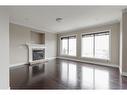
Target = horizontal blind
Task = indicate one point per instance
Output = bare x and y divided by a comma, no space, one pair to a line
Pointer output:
69,37
102,33
64,38
96,34
87,35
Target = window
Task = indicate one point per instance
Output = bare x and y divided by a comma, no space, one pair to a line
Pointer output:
102,46
87,45
68,45
96,45
64,46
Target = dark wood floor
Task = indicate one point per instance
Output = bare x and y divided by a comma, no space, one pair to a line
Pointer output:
64,74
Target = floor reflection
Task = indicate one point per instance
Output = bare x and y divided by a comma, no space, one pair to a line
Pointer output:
35,73
94,78
37,69
72,74
91,78
69,73
87,78
66,74
101,79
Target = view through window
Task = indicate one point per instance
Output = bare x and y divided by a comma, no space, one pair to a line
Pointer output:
96,45
68,45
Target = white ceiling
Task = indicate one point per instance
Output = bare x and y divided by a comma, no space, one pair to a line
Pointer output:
74,17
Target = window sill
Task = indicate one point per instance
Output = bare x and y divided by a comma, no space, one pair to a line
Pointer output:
95,58
68,55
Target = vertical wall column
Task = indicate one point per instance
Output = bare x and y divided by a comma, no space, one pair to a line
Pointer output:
123,44
78,44
4,49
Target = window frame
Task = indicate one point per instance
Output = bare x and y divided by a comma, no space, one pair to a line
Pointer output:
94,47
68,47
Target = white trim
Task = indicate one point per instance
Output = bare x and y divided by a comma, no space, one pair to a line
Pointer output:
97,63
23,63
94,58
68,55
124,74
18,64
51,58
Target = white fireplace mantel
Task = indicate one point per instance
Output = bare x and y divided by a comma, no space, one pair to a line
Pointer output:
34,46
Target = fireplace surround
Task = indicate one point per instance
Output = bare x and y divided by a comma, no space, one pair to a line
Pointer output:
36,53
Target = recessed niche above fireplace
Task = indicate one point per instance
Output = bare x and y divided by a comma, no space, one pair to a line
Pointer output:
37,38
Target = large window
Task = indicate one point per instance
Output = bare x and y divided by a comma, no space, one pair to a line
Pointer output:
87,45
96,45
68,45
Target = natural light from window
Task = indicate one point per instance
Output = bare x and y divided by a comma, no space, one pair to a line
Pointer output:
102,46
68,45
87,46
87,77
96,45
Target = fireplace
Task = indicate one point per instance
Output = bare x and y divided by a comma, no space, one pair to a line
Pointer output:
38,54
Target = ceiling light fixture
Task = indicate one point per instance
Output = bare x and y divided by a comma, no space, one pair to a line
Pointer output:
59,19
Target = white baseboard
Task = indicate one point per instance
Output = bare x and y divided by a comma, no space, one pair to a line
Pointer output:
51,58
103,64
23,63
97,63
18,64
124,74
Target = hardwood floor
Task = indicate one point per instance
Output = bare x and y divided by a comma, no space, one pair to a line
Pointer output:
65,74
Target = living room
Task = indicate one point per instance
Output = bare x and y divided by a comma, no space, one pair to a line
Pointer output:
63,47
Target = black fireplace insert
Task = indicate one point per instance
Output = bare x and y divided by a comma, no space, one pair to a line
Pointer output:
38,54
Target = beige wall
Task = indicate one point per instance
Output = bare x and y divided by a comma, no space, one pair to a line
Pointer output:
51,45
4,49
19,36
37,38
123,52
115,31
